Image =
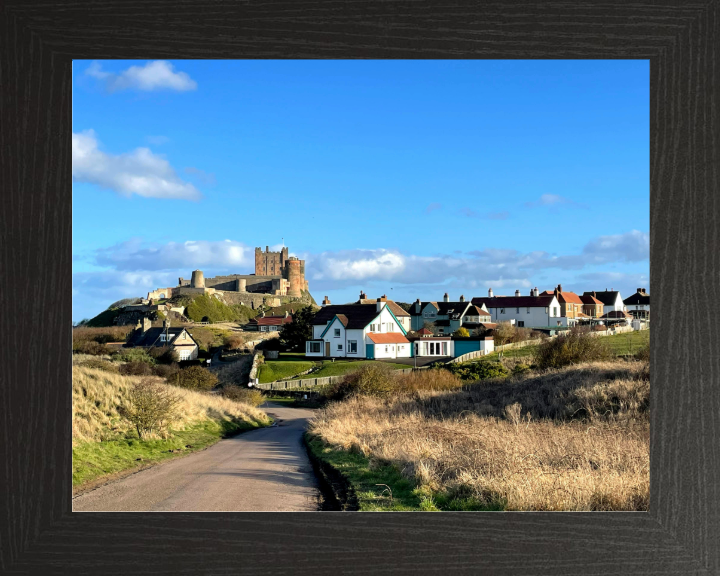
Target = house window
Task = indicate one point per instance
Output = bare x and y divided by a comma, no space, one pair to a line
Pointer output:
502,310
185,355
315,347
162,337
372,327
386,348
445,349
263,328
352,346
390,327
547,309
521,324
555,311
517,310
441,330
337,332
339,346
528,310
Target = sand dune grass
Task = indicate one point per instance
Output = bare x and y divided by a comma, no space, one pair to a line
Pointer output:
98,395
575,438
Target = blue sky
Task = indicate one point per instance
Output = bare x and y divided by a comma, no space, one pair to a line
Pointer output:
405,178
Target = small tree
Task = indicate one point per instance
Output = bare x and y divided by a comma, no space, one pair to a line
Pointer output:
430,326
296,333
461,332
504,332
151,408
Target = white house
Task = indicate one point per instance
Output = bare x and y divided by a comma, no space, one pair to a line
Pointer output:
638,304
427,344
534,311
358,331
397,310
611,299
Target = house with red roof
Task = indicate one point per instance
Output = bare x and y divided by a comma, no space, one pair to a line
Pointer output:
533,311
268,323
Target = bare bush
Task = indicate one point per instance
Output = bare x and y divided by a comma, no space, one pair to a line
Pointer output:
571,348
135,369
194,378
166,371
151,407
99,364
236,341
249,396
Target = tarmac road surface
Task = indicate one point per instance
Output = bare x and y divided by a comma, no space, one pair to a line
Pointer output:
261,470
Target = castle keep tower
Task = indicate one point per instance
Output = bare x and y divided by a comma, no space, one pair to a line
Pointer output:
197,280
270,263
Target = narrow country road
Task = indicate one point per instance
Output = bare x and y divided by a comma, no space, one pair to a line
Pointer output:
261,470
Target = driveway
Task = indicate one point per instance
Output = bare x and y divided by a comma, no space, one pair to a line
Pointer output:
261,470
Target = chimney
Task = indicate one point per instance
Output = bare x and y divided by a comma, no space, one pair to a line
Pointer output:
417,306
286,314
517,293
641,290
326,301
559,287
267,248
363,296
462,298
446,298
380,304
490,293
536,292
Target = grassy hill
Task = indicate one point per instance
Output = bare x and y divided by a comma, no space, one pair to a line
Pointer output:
105,443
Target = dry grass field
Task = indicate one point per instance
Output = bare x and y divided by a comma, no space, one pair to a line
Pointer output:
98,395
575,438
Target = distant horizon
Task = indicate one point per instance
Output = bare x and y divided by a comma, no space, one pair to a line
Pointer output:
404,178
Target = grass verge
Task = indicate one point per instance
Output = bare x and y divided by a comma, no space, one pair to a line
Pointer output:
368,485
96,460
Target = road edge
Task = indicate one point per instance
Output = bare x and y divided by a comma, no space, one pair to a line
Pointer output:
337,491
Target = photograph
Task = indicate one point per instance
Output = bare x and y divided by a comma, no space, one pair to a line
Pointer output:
361,285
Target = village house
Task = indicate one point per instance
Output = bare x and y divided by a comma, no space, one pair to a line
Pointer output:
611,299
358,331
425,343
533,311
638,305
592,306
398,311
446,316
179,339
264,323
571,306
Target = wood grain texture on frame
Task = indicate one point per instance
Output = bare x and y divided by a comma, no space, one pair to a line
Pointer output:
38,532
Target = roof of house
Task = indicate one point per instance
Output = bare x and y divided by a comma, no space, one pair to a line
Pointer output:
424,332
565,297
638,298
388,338
151,337
616,314
607,297
394,306
444,308
353,316
589,299
541,301
582,315
489,325
271,320
476,311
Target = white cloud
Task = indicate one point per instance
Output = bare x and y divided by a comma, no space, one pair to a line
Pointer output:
155,75
184,256
633,246
138,172
553,201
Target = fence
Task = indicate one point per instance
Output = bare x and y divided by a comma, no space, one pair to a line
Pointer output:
313,382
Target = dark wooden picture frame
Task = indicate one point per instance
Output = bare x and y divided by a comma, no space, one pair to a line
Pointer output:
39,533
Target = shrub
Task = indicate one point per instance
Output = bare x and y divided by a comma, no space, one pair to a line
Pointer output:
195,378
207,308
369,380
570,348
506,333
643,354
166,371
520,368
245,395
163,354
135,369
477,370
90,347
151,407
236,341
98,364
461,332
133,355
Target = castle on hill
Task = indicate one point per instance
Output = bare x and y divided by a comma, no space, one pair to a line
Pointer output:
276,274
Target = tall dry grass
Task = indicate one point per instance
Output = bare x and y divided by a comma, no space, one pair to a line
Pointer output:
97,396
576,438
